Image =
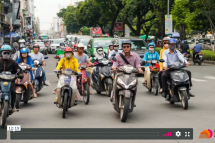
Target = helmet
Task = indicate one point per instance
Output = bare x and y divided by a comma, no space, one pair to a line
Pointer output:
182,41
126,42
75,45
151,44
185,41
62,44
6,48
24,50
116,43
172,41
21,41
18,37
166,39
36,46
99,47
80,45
68,49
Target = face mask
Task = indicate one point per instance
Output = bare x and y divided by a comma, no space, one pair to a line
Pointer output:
172,47
116,49
6,56
62,47
151,50
68,55
100,52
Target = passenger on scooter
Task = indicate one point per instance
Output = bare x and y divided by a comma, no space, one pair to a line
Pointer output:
170,56
68,62
151,54
197,49
21,45
131,57
184,47
83,58
110,48
61,50
24,57
116,51
36,55
165,47
8,64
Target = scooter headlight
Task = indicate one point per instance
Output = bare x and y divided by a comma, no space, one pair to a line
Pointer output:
120,82
102,76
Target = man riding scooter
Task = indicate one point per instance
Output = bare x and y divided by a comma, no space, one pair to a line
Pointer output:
83,58
21,43
171,56
61,50
197,49
7,64
36,55
151,54
68,62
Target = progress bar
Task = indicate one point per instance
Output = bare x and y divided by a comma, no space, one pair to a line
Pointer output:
103,134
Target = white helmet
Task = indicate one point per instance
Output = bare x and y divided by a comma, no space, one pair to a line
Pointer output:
80,45
21,41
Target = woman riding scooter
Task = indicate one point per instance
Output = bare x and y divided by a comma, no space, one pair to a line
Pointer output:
24,57
151,54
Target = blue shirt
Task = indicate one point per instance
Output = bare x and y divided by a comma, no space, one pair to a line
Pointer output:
150,56
29,61
114,52
169,58
198,48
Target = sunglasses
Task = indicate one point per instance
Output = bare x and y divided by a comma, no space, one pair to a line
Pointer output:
166,42
6,53
126,46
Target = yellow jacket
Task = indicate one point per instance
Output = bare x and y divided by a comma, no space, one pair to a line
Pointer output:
161,57
66,63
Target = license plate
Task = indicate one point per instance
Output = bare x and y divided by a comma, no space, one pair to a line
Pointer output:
200,56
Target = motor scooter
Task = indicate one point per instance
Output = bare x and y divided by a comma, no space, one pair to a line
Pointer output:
178,84
6,78
23,90
124,90
198,58
82,84
66,94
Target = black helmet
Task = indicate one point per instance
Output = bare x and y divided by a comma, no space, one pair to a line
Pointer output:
126,42
98,47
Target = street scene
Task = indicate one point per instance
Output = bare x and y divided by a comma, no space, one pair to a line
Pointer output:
91,64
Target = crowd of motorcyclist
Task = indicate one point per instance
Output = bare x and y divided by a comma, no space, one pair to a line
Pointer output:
71,59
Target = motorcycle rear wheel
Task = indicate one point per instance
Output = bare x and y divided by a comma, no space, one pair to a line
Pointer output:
184,99
109,90
65,104
18,100
124,111
4,106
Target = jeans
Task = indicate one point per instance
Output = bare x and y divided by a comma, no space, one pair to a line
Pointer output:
44,75
159,78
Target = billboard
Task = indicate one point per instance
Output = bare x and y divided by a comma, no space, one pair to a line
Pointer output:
28,22
118,26
96,31
168,24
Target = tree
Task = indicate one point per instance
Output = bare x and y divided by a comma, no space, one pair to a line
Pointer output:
85,30
62,13
138,9
180,12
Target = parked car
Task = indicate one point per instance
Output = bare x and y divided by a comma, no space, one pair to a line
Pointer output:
43,48
84,40
81,36
55,45
35,41
207,44
94,42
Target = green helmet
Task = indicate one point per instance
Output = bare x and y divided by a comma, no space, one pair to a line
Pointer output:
6,48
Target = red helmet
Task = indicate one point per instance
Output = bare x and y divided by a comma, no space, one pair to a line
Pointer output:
68,49
76,45
36,46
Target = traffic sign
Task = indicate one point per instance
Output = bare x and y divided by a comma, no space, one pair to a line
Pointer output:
168,24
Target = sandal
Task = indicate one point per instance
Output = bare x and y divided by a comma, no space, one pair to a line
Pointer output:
56,101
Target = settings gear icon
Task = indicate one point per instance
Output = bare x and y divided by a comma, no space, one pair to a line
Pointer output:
178,134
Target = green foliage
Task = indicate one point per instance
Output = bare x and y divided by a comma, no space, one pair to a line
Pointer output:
85,30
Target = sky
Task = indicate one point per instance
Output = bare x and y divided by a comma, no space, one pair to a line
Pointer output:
46,10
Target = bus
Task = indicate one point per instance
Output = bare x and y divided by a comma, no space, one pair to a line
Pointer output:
43,37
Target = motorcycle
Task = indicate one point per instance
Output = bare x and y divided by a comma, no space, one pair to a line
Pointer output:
152,77
38,82
104,80
82,84
198,58
5,95
23,92
178,84
125,88
187,55
67,97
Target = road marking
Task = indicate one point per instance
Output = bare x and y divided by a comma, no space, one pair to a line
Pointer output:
209,77
198,80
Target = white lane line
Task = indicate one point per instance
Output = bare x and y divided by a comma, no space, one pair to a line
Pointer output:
209,77
198,80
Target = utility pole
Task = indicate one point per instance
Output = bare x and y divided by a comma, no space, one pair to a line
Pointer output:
167,7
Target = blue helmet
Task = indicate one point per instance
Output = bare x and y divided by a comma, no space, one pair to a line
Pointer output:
6,48
172,41
183,41
24,50
62,44
151,44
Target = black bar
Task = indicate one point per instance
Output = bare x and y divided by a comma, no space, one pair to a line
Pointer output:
102,134
3,133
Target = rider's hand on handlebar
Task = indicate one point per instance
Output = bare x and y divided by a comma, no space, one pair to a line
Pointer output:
187,64
140,70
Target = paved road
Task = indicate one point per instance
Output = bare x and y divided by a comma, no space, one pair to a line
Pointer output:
151,111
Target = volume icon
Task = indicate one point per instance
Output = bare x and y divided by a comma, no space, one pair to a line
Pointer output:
167,134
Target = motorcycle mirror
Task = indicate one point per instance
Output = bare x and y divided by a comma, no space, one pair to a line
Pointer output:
161,60
46,57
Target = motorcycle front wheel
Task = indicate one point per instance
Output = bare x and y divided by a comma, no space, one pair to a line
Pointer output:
155,86
4,107
184,99
86,95
65,103
108,90
124,109
18,100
